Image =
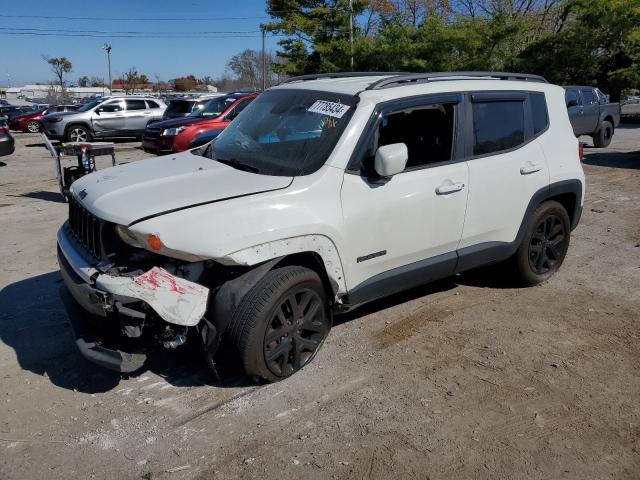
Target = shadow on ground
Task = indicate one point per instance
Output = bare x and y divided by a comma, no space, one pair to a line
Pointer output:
627,160
34,323
55,197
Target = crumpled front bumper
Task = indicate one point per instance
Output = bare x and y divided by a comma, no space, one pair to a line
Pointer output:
92,297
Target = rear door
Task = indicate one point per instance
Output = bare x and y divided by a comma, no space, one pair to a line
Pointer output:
136,116
506,168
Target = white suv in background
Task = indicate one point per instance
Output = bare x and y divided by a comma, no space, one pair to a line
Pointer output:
105,117
327,192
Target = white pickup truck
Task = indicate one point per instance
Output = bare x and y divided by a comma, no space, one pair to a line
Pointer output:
327,192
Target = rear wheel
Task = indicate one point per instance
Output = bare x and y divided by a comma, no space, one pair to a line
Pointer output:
78,133
602,137
281,323
33,126
544,245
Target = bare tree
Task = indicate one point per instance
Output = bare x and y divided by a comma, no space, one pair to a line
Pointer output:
59,66
247,68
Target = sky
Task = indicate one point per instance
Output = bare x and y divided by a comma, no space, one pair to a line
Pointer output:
21,55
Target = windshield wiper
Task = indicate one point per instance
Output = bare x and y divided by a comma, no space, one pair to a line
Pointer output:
232,162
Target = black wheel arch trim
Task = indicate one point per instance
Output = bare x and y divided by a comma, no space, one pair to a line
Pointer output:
78,124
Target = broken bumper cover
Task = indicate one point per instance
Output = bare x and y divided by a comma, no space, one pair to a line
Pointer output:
94,295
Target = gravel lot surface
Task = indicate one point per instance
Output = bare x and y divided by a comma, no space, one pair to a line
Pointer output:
466,378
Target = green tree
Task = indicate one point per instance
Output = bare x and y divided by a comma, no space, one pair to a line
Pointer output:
59,66
599,45
318,33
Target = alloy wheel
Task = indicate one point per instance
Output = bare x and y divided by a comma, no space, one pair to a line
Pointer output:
547,244
33,127
295,332
78,135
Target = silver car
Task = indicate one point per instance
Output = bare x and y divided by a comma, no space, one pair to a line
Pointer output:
104,117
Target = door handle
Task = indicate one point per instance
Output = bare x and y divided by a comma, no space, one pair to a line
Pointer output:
531,168
449,188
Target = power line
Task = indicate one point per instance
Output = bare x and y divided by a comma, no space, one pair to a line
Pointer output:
64,30
42,34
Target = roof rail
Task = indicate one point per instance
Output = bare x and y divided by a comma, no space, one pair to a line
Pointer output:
404,78
319,76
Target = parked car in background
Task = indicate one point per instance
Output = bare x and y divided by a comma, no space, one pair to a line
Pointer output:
327,192
630,106
10,111
591,114
205,137
176,135
32,122
106,117
183,107
7,144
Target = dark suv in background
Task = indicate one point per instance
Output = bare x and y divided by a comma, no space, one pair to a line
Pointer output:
183,107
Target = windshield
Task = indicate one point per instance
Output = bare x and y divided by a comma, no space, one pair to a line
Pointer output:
285,132
90,105
213,107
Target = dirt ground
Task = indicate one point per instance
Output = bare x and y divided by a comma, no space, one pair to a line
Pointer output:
467,378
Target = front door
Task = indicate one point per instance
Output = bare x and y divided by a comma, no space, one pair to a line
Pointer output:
404,231
108,118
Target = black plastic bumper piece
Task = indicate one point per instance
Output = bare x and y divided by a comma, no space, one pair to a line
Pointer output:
93,348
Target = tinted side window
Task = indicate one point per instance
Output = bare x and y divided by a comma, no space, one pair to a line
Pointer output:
588,96
497,126
571,98
111,107
426,131
152,104
539,112
135,105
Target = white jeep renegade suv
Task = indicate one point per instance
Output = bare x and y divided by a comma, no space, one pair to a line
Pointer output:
328,191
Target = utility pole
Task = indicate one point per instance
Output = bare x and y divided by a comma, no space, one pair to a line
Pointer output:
264,58
107,47
351,30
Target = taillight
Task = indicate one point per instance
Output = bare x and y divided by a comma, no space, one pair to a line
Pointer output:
4,130
580,151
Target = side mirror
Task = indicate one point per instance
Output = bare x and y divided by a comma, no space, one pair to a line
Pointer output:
572,103
97,111
391,159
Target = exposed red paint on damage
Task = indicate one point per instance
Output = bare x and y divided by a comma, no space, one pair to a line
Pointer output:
159,279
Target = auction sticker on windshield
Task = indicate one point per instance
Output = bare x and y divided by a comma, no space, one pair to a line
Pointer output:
332,109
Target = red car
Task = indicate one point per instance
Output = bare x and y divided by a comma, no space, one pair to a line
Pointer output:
32,122
176,134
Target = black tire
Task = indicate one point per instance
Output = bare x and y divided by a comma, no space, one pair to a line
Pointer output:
281,323
73,134
33,126
602,138
545,244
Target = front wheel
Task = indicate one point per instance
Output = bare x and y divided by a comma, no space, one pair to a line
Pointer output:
544,245
33,126
78,133
281,323
603,136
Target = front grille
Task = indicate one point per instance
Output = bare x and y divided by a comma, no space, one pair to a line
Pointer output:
152,133
85,227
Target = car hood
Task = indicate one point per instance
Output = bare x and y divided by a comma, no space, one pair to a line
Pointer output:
176,122
126,194
60,114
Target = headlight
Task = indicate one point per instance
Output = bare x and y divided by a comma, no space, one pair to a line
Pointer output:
172,132
127,237
54,119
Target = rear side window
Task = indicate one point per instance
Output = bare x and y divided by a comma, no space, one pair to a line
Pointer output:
539,112
136,105
588,96
152,104
497,125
